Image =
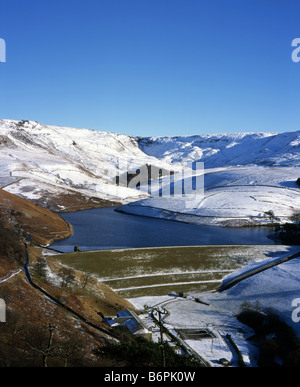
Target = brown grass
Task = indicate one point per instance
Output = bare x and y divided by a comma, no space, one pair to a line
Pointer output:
29,311
25,217
160,271
95,296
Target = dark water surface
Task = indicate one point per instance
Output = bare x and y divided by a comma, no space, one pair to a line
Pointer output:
104,228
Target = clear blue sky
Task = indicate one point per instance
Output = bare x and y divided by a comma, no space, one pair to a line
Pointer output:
152,67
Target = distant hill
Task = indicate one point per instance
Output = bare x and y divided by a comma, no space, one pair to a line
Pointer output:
66,168
249,178
222,150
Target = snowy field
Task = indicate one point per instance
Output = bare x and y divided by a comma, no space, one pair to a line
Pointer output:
249,178
232,197
276,288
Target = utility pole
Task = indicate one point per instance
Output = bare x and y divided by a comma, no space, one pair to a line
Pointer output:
163,356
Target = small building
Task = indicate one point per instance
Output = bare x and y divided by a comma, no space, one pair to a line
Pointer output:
131,321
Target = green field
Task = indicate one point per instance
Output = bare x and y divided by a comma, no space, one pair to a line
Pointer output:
160,271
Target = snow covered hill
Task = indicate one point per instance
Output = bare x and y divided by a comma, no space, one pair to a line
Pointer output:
58,167
220,150
248,178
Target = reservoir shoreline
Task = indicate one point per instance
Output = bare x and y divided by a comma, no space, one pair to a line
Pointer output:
107,229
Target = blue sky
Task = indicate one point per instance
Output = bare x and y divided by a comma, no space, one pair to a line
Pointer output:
152,67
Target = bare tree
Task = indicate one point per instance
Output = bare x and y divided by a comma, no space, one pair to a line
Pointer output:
46,352
67,275
70,352
86,278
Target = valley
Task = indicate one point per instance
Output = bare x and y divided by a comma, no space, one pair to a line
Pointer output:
65,169
49,173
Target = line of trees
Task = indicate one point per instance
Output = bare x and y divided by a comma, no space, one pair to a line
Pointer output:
288,233
66,274
277,343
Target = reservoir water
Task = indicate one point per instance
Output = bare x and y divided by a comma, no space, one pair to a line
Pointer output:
104,228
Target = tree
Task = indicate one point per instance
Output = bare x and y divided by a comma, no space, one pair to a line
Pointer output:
67,276
289,233
137,351
45,352
11,246
274,338
70,352
270,214
40,267
87,277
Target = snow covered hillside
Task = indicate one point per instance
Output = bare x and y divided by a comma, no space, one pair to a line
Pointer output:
248,178
56,166
233,196
221,150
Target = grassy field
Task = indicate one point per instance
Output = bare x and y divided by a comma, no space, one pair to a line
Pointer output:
160,271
